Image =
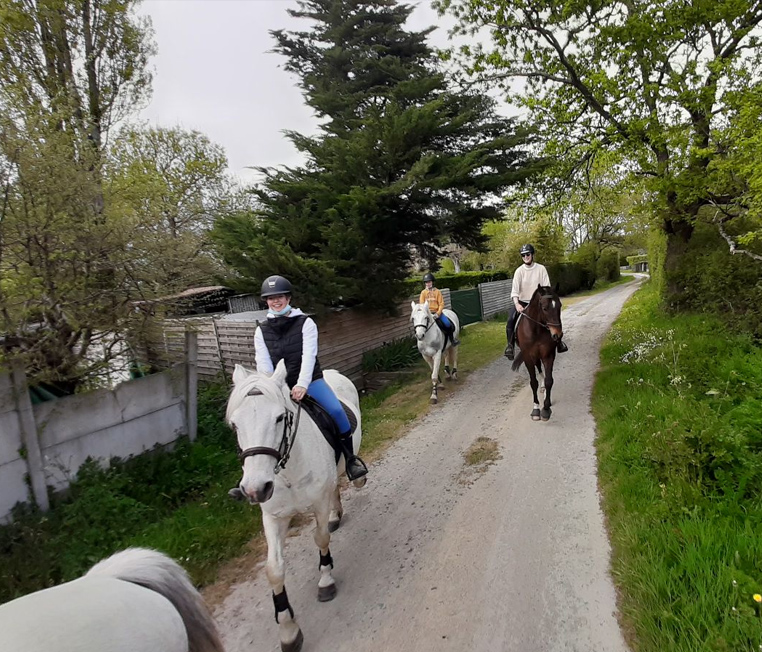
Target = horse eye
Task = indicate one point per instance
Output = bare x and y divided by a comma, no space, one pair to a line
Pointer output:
280,418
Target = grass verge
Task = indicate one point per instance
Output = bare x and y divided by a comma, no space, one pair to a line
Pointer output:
678,404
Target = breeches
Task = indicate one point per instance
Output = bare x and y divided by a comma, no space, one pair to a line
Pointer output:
445,321
322,393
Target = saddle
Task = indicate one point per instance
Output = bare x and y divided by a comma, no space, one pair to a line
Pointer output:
326,424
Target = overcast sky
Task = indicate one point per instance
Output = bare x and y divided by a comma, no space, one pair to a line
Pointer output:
214,73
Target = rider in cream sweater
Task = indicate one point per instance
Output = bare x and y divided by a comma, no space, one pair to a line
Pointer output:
525,281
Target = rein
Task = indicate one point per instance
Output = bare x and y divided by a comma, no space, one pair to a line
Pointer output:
545,325
430,324
283,452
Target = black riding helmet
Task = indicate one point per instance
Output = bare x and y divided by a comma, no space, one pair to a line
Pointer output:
527,249
275,285
428,277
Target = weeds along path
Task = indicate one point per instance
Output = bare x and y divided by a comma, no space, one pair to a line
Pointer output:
435,556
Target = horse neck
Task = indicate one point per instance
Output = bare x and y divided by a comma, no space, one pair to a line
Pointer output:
533,312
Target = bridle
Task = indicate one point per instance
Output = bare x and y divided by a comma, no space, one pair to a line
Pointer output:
544,324
429,323
283,452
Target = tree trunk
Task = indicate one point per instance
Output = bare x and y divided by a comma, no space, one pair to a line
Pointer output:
679,232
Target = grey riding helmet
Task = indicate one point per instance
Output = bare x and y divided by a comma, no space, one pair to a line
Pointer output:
428,277
527,249
273,285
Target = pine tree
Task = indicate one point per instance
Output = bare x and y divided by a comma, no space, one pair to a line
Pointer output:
402,164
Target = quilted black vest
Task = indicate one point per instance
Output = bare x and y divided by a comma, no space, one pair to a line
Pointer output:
283,338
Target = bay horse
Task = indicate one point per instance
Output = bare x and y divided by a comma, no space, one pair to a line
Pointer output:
137,600
432,344
289,468
537,332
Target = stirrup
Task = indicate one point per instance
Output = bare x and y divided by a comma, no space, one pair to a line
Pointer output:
509,353
355,468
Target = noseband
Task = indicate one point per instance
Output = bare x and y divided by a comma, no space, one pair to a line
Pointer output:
429,324
283,452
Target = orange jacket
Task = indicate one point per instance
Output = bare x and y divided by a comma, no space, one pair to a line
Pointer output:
435,300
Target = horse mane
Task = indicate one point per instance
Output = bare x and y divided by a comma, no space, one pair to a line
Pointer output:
156,571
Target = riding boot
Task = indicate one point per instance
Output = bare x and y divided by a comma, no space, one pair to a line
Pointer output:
453,340
509,353
509,326
561,347
356,468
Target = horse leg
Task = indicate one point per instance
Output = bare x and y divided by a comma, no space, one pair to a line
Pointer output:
337,511
276,529
322,536
548,364
436,361
534,385
454,362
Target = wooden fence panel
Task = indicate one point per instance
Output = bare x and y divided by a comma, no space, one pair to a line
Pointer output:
496,297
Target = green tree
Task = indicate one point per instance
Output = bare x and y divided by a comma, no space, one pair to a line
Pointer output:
656,83
170,184
403,165
69,69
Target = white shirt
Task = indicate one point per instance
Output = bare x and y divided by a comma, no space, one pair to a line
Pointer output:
309,350
526,279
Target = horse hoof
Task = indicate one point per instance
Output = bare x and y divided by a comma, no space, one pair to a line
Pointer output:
535,415
360,482
326,593
334,525
295,645
545,415
432,401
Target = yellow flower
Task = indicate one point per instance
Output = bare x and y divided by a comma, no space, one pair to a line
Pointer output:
757,597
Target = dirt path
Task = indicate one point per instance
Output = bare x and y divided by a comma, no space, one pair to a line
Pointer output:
514,560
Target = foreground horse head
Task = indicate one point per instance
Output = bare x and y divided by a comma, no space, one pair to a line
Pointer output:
137,600
537,331
288,468
263,427
433,345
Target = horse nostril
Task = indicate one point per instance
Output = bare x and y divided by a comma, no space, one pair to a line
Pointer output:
265,492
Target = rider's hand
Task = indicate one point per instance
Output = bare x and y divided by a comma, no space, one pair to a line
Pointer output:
519,308
297,393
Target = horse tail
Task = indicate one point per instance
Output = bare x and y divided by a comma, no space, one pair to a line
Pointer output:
154,570
517,361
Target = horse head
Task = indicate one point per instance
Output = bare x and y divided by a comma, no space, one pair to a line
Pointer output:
549,314
422,319
260,412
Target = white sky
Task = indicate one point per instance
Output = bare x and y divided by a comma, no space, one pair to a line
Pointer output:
213,73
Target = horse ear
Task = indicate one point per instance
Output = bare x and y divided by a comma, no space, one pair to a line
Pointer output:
412,305
240,373
279,375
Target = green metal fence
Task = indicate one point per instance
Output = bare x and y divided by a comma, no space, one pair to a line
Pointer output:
467,304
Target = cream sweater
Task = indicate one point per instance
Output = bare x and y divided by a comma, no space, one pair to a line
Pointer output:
526,279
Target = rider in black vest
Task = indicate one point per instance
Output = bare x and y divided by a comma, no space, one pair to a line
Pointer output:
291,336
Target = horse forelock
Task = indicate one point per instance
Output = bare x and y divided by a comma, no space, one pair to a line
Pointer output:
259,382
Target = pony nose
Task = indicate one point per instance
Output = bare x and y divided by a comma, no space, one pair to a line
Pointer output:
264,493
556,336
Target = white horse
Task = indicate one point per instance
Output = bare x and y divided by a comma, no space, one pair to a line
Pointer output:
137,600
289,470
431,344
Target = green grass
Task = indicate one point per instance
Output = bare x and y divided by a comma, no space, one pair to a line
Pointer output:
678,402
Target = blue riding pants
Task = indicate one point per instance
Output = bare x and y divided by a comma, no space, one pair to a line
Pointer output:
445,321
322,393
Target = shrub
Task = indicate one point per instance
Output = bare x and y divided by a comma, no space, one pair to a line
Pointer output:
608,265
393,355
